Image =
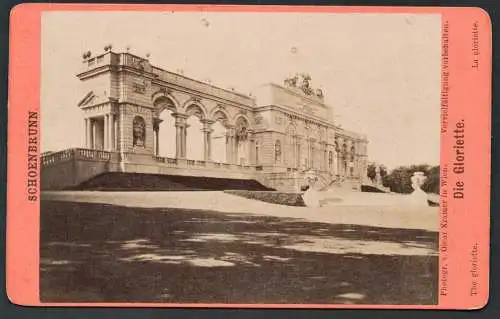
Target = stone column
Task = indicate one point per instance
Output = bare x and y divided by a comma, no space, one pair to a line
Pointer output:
235,154
339,162
298,153
207,131
94,134
112,138
230,145
184,140
251,148
334,161
312,151
179,136
156,136
106,132
178,141
87,133
324,165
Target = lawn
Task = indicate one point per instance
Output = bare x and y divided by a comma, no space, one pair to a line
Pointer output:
108,253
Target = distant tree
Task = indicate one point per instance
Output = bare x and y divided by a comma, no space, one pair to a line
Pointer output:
372,171
399,180
432,182
383,171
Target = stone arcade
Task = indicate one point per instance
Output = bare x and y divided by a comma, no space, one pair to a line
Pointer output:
142,119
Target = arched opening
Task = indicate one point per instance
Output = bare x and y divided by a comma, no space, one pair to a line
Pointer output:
219,142
305,150
166,134
219,138
351,161
242,142
338,157
164,138
344,159
194,139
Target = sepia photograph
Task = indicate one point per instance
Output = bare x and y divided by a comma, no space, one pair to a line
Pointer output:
240,157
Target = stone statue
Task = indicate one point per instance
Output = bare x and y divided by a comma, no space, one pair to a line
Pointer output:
292,82
418,197
378,177
241,133
305,86
277,151
319,93
417,180
311,196
139,131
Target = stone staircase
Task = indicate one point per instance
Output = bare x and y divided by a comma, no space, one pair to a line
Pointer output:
329,180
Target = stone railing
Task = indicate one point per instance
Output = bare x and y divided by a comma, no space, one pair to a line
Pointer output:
74,153
160,159
170,162
189,163
57,157
83,153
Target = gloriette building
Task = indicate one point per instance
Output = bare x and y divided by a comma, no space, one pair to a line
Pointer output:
140,118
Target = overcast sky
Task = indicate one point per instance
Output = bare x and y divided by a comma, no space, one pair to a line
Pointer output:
379,72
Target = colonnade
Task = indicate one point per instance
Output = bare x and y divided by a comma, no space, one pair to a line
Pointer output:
100,132
241,147
233,146
308,152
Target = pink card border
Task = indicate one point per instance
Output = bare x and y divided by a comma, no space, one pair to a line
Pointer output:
469,98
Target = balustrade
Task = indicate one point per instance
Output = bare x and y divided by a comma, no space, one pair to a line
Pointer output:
54,158
200,163
100,155
172,161
78,153
160,159
84,153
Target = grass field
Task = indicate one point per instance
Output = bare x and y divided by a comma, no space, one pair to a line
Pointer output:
109,253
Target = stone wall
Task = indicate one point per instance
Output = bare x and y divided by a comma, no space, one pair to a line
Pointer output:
72,172
127,113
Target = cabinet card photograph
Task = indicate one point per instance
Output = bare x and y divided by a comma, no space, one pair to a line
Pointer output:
249,156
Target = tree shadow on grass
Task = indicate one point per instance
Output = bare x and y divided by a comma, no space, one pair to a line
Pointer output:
109,253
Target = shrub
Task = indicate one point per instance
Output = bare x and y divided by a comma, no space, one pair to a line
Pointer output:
280,198
399,180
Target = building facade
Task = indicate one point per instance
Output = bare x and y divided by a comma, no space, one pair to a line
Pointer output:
273,135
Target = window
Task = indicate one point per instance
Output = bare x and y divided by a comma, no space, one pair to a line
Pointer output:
330,159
